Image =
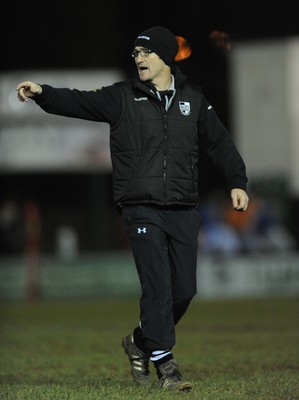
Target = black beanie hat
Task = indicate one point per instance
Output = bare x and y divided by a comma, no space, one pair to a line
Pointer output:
161,41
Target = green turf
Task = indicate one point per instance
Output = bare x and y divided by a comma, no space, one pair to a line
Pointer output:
237,349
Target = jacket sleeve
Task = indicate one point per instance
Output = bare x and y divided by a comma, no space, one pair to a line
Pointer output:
218,145
102,105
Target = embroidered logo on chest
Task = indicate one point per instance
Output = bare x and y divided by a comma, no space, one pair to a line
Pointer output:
185,107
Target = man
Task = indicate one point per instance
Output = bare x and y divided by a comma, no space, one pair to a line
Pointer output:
158,122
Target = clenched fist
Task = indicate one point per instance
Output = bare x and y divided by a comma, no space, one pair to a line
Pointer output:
239,199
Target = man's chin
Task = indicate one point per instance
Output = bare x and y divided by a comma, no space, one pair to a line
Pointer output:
143,77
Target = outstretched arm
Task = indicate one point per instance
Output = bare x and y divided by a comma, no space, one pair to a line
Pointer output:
28,89
101,105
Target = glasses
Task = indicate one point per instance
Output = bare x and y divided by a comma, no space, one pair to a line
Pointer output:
142,52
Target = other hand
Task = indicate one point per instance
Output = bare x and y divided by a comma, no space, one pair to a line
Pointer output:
240,199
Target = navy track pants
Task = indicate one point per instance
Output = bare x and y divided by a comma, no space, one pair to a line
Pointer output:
164,244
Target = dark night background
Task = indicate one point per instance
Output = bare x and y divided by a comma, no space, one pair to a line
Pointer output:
95,34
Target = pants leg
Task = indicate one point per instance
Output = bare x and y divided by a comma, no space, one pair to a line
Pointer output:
182,246
164,246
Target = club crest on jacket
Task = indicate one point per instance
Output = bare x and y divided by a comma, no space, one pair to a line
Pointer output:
185,107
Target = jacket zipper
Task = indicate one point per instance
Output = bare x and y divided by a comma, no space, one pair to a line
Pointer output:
165,156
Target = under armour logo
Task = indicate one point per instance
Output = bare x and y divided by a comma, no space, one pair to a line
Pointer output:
141,230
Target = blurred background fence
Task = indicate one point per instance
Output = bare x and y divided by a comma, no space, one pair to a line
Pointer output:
113,275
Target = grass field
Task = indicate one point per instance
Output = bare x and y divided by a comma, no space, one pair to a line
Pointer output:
232,349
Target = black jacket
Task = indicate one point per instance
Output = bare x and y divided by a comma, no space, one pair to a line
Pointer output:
155,153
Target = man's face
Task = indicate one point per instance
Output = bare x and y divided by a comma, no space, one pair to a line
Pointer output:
150,67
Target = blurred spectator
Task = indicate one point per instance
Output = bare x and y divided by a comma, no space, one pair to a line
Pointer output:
225,231
260,229
215,235
11,228
67,243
